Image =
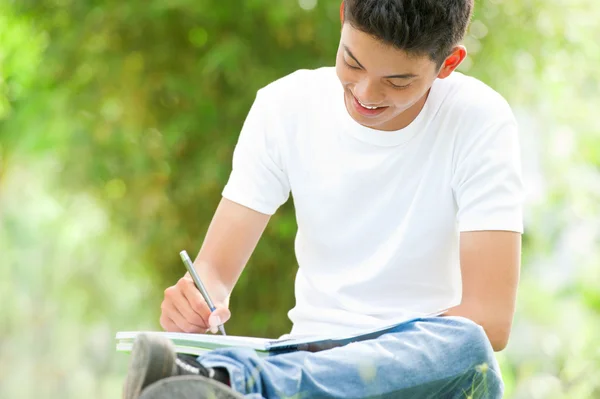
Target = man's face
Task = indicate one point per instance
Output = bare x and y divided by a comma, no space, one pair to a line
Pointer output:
384,88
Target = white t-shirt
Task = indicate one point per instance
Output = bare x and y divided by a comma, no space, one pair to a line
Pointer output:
379,213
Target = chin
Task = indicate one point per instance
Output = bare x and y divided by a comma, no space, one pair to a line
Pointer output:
370,123
373,122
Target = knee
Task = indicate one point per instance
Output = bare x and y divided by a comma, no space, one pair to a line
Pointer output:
471,338
480,363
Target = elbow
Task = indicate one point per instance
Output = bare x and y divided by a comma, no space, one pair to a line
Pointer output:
498,335
497,326
498,344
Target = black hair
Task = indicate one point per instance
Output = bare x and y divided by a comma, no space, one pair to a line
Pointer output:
419,27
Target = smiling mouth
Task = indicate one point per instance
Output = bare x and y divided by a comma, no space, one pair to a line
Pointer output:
366,110
366,106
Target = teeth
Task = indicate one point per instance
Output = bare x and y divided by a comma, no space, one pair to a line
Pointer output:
366,106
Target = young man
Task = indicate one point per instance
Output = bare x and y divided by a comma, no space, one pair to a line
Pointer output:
407,188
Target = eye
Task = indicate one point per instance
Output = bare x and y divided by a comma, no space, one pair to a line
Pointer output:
350,66
397,87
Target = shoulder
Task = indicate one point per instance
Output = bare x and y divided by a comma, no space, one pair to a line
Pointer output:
294,102
302,87
473,116
472,102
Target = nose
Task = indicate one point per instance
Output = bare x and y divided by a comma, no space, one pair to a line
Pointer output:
367,92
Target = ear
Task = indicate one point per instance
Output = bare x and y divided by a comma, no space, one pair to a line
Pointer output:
452,61
342,6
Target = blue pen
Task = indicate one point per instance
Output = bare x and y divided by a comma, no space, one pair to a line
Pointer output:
190,267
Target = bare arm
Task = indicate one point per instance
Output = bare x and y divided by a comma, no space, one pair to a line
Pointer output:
490,265
231,238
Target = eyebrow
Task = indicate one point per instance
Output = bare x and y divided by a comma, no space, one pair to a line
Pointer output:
400,76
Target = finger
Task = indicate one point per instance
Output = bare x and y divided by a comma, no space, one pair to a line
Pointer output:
177,318
220,316
167,324
175,296
195,301
182,323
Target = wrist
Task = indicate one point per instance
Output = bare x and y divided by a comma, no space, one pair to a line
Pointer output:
216,287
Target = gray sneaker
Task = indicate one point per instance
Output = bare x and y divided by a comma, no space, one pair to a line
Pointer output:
153,359
189,387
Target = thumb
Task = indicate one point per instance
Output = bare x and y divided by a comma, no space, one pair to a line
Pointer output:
219,316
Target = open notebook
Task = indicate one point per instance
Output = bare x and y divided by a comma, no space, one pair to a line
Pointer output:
197,344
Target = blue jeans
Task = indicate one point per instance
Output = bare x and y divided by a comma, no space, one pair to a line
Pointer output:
436,357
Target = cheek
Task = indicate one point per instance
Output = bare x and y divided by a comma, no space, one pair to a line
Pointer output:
338,71
402,102
404,99
343,74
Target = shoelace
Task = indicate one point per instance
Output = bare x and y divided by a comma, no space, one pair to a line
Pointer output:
194,370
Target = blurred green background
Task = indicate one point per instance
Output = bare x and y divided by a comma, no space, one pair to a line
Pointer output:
118,120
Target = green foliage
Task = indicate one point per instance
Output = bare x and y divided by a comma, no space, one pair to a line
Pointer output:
117,125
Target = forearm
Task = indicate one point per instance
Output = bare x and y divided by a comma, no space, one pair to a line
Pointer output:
218,279
229,242
489,264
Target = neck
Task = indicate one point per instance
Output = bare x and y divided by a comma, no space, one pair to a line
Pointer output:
408,116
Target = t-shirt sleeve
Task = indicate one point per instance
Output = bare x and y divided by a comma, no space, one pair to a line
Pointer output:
487,182
258,180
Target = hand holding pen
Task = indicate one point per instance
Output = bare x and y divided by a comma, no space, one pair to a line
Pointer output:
190,268
187,307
